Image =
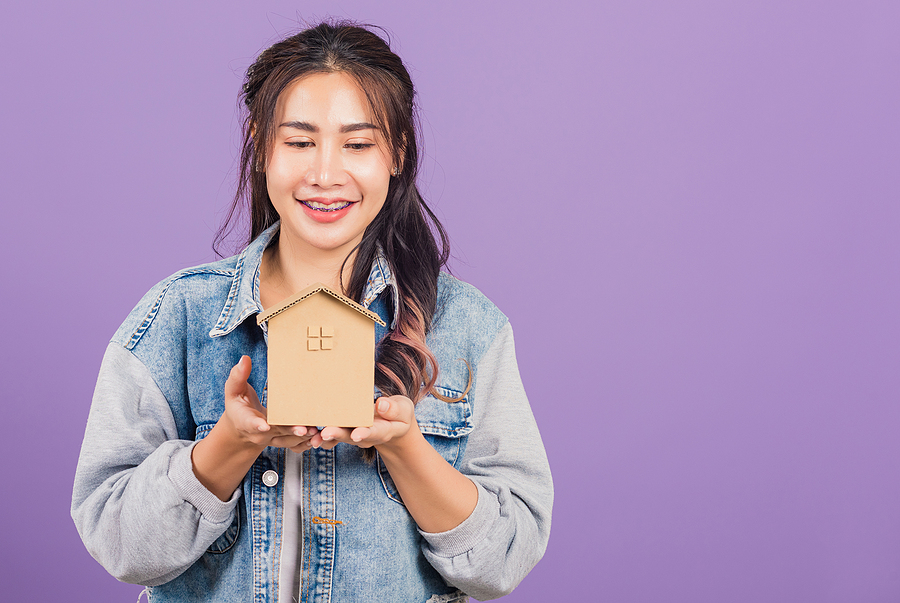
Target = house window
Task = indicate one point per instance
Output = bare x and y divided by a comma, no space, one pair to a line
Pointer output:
319,338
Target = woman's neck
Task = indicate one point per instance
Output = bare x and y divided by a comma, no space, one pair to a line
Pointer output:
285,271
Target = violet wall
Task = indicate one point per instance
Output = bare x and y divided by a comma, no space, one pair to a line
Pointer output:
689,211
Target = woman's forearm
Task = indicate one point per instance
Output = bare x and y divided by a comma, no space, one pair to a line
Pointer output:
438,497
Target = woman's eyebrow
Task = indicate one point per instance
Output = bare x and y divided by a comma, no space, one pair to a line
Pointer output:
308,127
357,127
300,125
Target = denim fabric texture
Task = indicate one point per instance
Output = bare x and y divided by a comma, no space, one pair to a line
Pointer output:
142,513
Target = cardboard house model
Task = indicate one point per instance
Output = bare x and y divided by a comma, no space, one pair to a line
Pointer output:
321,360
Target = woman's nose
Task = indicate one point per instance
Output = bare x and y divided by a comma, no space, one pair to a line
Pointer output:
326,168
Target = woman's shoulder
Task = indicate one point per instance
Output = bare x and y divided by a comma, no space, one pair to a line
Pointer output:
455,295
173,299
465,315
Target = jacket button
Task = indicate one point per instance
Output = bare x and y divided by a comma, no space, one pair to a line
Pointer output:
270,478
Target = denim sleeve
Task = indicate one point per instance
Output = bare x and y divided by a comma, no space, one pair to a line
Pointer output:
490,552
137,505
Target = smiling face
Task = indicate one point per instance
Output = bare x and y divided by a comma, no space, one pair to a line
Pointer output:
329,167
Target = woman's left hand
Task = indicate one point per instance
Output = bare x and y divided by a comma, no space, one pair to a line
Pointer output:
395,418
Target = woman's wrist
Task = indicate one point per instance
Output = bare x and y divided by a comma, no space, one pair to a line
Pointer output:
221,460
404,446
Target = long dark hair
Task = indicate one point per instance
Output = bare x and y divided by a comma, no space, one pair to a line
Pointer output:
404,229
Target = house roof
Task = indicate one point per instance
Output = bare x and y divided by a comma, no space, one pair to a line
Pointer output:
309,292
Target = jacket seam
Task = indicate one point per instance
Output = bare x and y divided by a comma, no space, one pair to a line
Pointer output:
142,328
230,301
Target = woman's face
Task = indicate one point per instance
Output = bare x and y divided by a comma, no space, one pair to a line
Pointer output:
329,166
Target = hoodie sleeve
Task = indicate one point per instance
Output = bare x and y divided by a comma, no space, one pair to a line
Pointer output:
137,505
490,552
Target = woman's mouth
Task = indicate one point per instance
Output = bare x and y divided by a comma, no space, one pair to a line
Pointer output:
326,213
326,207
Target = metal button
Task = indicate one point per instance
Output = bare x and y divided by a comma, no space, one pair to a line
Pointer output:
270,478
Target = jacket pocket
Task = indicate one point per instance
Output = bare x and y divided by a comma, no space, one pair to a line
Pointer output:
444,424
224,542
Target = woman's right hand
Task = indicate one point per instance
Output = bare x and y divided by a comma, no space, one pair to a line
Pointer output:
245,417
222,458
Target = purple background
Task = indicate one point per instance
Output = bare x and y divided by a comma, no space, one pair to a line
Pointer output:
688,210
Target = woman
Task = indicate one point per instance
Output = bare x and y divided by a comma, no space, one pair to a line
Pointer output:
182,484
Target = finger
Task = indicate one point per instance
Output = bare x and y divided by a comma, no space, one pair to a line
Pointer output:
249,423
360,433
287,441
236,384
291,435
391,409
280,431
336,434
248,418
301,447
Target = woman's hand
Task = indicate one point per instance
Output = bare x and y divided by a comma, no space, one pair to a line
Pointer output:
395,419
245,418
222,458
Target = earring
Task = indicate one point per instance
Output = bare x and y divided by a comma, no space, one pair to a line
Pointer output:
395,172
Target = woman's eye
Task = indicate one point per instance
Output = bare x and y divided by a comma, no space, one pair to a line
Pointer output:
359,146
300,144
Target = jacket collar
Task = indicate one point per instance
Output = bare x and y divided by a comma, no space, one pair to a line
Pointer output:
243,297
380,278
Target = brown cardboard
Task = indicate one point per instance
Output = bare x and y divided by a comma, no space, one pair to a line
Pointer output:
321,360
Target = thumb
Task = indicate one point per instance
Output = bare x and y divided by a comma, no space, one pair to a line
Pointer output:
390,409
236,385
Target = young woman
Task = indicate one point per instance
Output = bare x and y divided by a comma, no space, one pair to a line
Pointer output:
182,485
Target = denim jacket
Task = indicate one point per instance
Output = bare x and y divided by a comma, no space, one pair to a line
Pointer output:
145,517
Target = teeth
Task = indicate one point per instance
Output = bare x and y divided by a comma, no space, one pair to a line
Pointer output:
325,206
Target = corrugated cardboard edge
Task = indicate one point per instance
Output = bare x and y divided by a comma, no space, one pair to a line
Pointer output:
312,290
